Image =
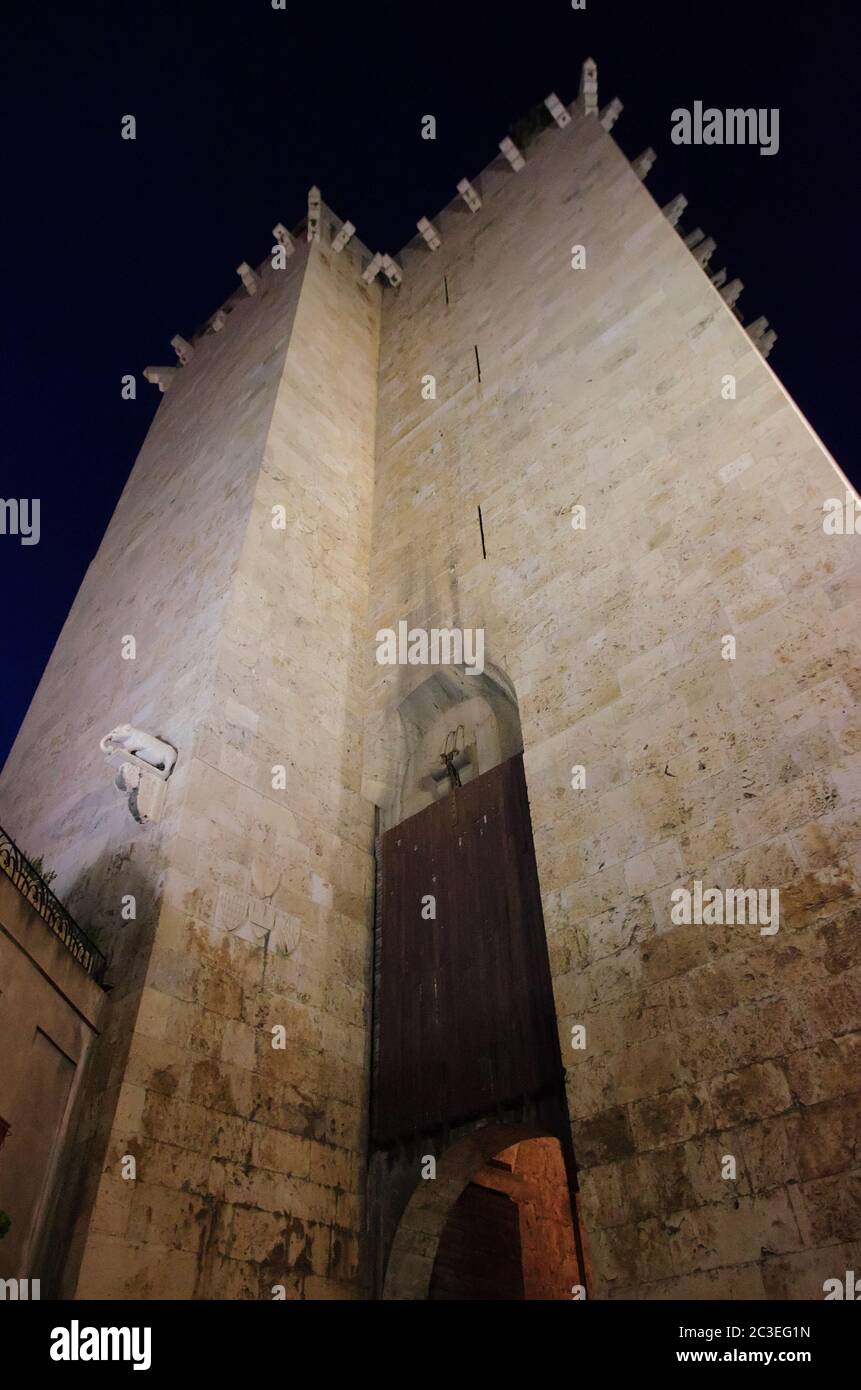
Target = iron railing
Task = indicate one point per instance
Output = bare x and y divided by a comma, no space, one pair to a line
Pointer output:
33,887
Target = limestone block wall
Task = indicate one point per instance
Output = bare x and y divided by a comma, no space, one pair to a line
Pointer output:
162,574
250,1157
602,388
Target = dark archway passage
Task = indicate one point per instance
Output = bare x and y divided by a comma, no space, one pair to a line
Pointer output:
510,1234
479,1255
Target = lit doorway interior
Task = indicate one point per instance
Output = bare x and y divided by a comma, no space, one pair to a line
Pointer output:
510,1234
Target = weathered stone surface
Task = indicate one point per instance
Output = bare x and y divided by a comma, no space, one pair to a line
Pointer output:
755,1091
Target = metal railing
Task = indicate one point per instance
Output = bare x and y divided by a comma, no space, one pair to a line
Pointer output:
33,887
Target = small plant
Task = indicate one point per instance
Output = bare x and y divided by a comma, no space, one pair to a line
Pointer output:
46,875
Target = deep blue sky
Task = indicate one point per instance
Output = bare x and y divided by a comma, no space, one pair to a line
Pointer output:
113,246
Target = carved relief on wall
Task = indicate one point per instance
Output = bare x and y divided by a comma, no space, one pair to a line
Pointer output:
143,763
255,919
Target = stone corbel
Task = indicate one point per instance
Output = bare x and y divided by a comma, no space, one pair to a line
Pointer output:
557,110
430,233
315,203
642,165
730,293
392,272
373,269
160,376
704,250
345,235
512,154
469,195
183,349
248,277
611,113
674,209
283,237
588,96
761,335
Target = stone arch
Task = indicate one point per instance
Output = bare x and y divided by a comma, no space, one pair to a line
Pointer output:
417,1237
412,730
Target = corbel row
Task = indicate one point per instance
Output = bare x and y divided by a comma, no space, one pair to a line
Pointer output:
702,248
587,101
382,262
162,376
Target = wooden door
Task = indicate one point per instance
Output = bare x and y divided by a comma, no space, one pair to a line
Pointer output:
464,1020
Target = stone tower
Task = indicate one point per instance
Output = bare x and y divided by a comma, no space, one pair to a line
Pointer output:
607,480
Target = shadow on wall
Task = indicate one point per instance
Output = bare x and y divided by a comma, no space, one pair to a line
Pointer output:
95,898
116,901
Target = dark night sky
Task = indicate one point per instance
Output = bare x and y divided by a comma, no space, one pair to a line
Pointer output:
113,246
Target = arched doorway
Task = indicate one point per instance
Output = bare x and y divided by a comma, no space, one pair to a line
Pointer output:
497,1222
466,1071
405,740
